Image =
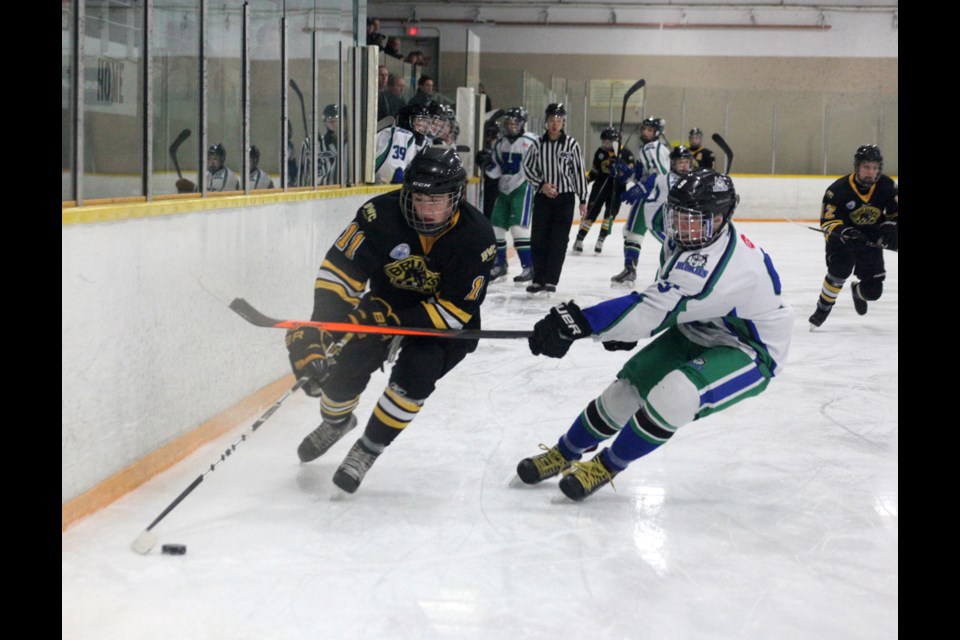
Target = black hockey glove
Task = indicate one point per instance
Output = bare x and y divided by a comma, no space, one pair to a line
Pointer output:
312,354
890,235
484,158
553,335
616,345
853,237
185,186
374,310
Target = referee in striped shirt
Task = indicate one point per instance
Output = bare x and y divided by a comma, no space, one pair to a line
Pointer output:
554,167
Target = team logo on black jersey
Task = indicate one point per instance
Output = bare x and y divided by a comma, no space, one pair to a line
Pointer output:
865,215
851,205
694,264
411,273
400,251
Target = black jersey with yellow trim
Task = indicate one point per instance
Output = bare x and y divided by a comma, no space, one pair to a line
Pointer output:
601,162
437,281
845,204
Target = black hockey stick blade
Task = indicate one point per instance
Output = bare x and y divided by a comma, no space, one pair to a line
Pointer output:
463,148
180,139
247,311
303,106
726,150
639,84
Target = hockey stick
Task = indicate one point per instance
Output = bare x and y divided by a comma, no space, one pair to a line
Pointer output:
383,123
303,107
639,84
726,150
173,150
146,540
251,315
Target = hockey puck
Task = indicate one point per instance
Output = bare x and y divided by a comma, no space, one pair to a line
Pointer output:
174,549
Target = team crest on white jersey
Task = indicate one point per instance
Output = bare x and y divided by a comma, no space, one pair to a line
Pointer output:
400,251
694,263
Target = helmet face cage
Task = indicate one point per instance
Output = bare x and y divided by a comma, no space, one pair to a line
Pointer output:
698,208
433,188
517,116
414,118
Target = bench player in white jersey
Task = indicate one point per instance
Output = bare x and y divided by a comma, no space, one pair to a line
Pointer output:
722,333
654,154
513,210
397,145
647,199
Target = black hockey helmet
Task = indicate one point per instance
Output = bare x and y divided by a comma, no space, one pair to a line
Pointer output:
515,115
694,205
254,155
681,152
331,112
657,124
410,115
555,109
696,131
868,153
437,172
219,151
609,134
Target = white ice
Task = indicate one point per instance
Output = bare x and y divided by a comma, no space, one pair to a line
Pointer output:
777,518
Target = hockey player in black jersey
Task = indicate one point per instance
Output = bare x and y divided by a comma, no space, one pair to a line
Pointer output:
425,254
608,173
702,157
859,219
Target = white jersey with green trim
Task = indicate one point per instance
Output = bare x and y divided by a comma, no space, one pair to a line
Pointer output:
508,159
395,148
655,158
725,294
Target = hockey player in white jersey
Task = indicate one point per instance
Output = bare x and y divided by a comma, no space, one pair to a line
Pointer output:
513,210
258,179
722,333
647,199
397,145
654,154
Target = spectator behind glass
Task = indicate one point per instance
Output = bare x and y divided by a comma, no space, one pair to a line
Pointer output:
374,37
394,94
393,48
424,92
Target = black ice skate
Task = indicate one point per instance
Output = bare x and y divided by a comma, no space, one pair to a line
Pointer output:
358,461
859,302
498,272
585,478
322,438
540,467
578,246
819,316
598,248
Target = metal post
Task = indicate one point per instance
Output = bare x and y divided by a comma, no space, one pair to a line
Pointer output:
826,119
201,152
79,28
147,78
284,104
245,95
773,144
